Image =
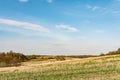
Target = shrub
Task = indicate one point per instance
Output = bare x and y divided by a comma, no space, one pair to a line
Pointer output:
59,58
11,59
32,57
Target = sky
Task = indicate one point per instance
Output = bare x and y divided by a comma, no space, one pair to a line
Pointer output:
60,27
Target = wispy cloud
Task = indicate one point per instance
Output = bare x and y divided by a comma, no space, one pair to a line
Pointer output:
49,1
67,28
24,25
23,0
113,9
93,8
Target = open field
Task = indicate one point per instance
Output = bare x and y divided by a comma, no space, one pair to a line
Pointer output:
95,68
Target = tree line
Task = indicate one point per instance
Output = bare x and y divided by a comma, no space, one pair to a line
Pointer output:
14,59
117,52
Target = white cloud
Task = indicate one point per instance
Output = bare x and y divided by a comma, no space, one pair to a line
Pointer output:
49,1
24,25
93,8
23,0
67,28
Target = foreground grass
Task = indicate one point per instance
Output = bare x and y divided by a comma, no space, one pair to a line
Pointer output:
98,68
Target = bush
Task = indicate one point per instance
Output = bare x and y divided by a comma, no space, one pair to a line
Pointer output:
11,59
59,58
32,57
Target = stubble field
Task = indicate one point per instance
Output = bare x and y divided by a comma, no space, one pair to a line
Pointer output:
95,68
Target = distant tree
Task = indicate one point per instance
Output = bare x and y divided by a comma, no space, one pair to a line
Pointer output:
114,52
118,51
102,54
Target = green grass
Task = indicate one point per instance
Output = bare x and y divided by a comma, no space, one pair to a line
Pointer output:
99,68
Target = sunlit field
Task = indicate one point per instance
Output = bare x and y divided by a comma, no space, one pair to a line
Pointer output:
95,68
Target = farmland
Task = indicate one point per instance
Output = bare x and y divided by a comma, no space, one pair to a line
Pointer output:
92,68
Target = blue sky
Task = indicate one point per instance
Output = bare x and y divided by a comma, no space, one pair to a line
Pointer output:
64,27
